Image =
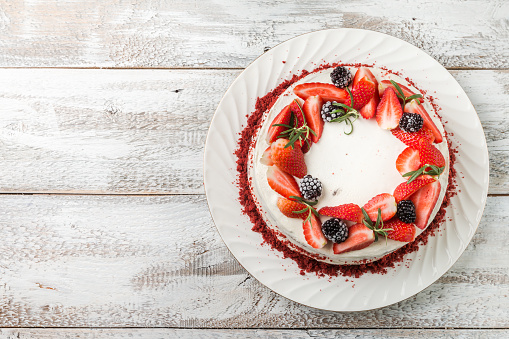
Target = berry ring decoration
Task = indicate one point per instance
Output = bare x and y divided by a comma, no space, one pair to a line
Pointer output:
339,178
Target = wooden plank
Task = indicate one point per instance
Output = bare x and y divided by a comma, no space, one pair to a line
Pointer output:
25,333
143,131
226,34
152,261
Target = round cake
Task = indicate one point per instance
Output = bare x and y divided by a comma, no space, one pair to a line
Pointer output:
368,175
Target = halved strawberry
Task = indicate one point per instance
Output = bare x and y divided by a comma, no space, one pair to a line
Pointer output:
282,118
288,207
389,110
387,83
282,182
414,107
312,111
400,231
369,110
350,212
385,202
405,190
408,161
359,237
413,139
328,92
313,232
429,154
425,200
296,109
290,160
362,92
266,158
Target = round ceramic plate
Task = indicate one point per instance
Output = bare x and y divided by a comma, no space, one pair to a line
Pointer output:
281,275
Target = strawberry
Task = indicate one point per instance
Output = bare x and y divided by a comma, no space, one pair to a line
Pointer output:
312,111
399,230
305,146
359,237
266,158
296,109
389,110
369,110
414,107
282,118
282,182
328,92
290,160
313,232
405,190
385,202
408,161
412,139
362,93
430,155
387,83
425,200
350,212
288,207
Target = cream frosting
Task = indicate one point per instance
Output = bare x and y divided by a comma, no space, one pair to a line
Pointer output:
352,168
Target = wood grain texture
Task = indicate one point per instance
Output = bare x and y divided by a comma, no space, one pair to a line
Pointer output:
143,131
222,33
124,261
26,333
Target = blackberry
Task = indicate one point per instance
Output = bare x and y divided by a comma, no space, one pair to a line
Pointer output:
311,188
327,109
411,122
335,230
341,77
406,211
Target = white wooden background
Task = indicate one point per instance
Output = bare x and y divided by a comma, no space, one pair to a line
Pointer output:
104,109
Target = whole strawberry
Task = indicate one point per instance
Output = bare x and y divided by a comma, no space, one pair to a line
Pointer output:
289,159
290,207
399,231
362,93
350,212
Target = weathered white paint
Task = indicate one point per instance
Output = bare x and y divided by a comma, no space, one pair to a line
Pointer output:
143,131
223,33
116,261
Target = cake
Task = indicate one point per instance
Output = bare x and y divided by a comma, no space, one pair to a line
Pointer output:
349,164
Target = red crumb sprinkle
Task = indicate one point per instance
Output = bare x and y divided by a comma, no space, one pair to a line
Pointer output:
304,262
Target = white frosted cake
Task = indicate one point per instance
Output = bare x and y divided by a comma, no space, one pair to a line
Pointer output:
352,169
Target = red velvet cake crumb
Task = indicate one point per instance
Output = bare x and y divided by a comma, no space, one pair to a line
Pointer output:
304,262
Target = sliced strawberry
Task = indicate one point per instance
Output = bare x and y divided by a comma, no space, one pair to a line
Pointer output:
290,160
313,232
387,83
414,107
305,145
385,202
350,212
296,109
362,93
282,118
266,158
405,190
429,154
282,182
408,161
413,139
312,111
369,110
400,231
425,200
359,237
389,110
328,92
289,207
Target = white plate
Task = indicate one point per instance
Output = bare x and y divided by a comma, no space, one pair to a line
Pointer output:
371,291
